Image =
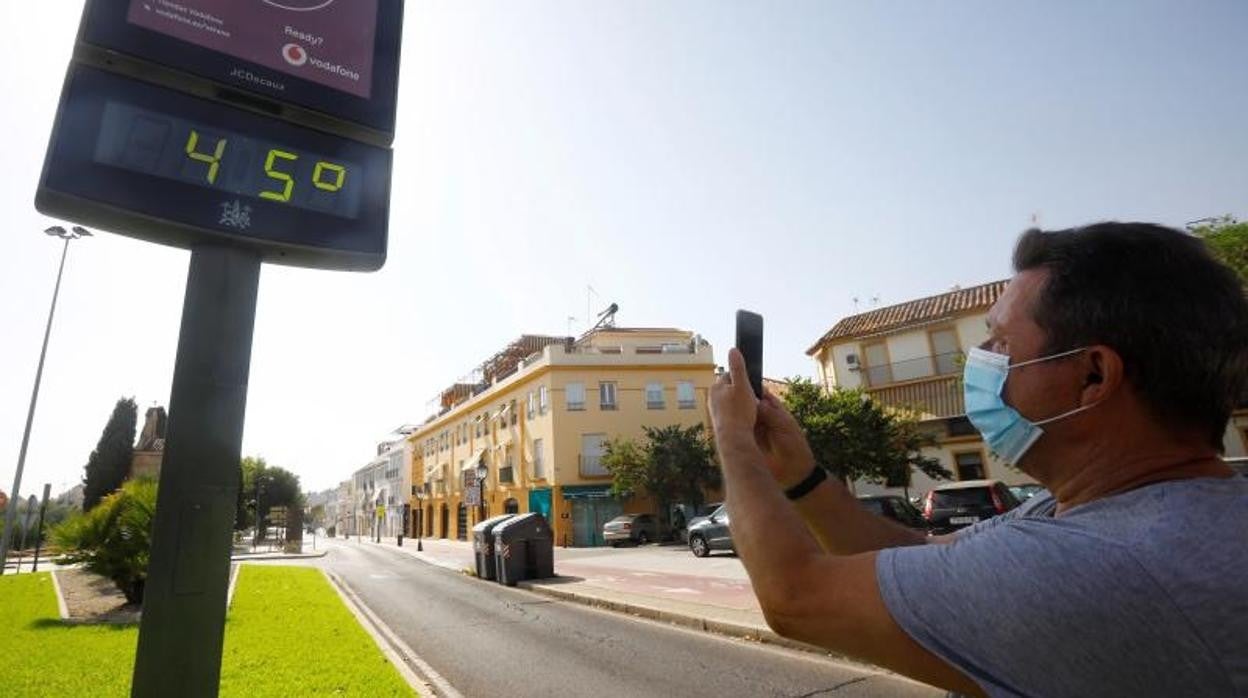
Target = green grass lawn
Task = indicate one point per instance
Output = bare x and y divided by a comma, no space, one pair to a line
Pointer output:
287,634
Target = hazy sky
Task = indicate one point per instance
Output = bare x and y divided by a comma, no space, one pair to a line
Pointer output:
685,158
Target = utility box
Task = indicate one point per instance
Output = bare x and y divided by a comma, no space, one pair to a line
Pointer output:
483,546
524,548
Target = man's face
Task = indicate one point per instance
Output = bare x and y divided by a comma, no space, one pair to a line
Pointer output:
1043,389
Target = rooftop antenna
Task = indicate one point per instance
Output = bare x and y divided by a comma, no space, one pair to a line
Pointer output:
855,299
875,300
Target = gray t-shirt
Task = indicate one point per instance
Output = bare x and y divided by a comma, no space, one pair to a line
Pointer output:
1140,594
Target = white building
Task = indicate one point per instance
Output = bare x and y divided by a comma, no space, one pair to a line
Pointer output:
380,491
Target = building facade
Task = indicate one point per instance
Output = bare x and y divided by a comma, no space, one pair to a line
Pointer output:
909,356
381,491
536,423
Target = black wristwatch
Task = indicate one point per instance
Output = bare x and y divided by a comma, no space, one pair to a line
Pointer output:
804,487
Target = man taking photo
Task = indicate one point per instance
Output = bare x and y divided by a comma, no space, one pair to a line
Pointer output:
1115,357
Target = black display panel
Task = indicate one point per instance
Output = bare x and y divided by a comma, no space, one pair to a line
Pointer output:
337,58
153,163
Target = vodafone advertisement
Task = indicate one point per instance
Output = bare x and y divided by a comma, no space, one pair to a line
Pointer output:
325,41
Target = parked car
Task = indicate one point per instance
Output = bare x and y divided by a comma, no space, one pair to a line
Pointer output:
894,507
956,505
1024,492
710,533
700,514
631,528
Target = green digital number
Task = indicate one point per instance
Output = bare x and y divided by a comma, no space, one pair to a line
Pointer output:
340,176
213,161
288,183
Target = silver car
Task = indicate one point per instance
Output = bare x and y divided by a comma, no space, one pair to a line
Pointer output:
631,528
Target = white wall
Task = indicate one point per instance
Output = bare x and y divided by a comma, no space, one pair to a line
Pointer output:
1233,440
844,377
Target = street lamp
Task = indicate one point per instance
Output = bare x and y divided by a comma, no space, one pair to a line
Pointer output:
55,231
420,519
482,473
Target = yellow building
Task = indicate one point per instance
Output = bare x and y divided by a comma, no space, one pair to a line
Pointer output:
536,419
910,356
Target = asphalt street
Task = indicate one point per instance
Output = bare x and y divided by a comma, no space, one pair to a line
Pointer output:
489,640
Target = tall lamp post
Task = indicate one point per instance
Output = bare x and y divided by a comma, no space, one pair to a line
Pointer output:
55,231
420,519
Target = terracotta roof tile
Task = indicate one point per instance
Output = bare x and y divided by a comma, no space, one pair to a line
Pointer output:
916,312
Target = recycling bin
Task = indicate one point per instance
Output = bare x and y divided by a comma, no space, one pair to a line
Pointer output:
483,545
524,548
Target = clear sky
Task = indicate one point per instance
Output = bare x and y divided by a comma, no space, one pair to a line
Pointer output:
682,158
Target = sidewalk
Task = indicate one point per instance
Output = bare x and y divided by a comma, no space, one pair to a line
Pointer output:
664,583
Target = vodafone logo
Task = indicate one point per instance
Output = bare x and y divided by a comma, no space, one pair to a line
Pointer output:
295,54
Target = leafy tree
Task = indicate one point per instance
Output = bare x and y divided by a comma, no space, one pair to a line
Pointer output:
854,437
673,464
109,463
273,487
1228,241
114,538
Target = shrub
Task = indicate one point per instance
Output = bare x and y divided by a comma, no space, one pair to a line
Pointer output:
114,539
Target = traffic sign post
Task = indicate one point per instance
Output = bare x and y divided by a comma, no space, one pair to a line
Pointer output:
246,133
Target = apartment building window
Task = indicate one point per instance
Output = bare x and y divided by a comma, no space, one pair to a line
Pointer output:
506,473
511,411
593,446
539,459
606,396
654,396
543,399
502,416
575,393
529,411
685,397
945,351
879,372
970,465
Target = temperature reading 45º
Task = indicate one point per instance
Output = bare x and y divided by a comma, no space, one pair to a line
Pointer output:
281,168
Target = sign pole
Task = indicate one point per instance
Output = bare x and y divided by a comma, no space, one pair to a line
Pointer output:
43,509
184,602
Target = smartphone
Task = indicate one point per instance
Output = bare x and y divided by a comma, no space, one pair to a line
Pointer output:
750,344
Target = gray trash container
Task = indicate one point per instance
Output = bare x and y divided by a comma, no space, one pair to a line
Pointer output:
524,547
483,545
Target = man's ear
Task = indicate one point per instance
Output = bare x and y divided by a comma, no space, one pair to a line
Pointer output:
1104,374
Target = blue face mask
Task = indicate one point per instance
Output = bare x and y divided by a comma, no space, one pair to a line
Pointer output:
1008,433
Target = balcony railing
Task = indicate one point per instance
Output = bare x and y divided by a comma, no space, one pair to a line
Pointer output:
913,369
941,397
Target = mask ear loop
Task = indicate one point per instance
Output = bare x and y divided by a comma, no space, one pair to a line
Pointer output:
1047,358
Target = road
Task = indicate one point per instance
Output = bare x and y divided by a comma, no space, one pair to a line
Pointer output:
489,640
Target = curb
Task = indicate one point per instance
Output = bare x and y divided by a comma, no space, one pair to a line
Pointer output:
245,557
428,682
686,620
61,608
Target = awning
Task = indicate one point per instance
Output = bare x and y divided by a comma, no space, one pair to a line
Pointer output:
586,491
471,463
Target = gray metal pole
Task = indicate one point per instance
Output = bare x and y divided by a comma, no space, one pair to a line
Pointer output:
183,624
47,491
11,511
